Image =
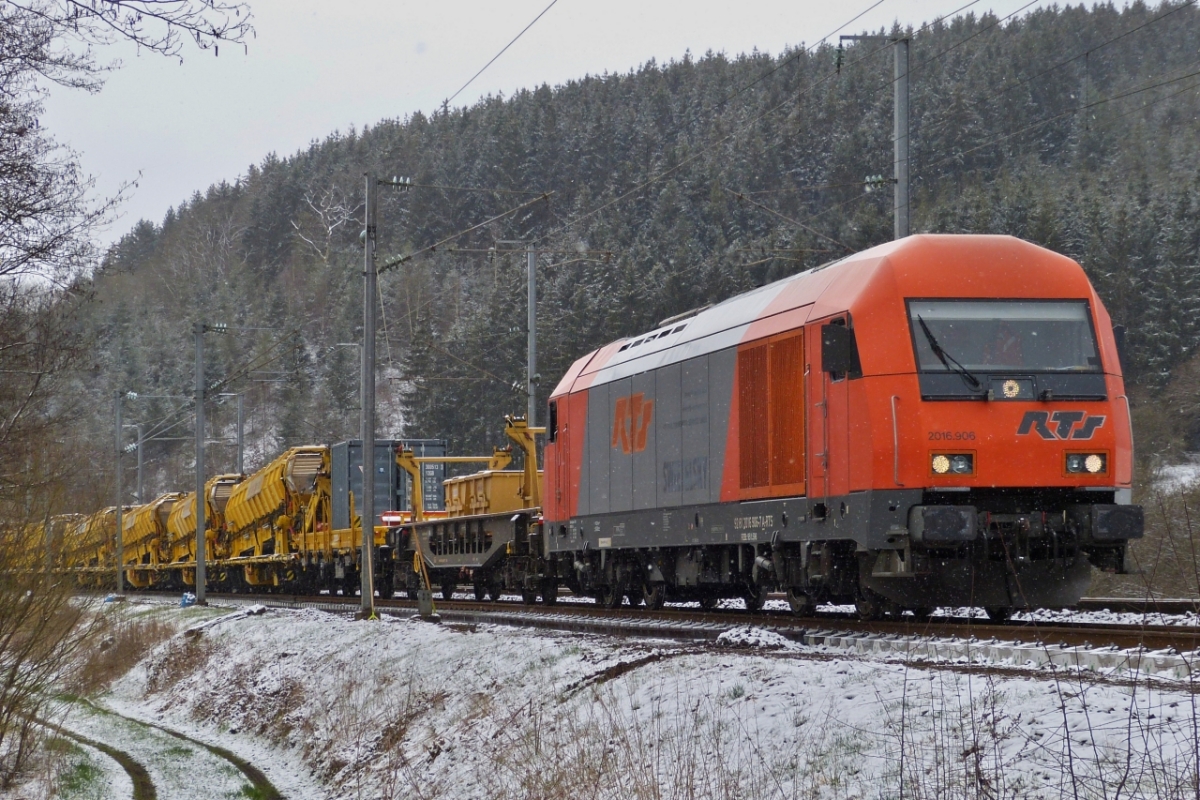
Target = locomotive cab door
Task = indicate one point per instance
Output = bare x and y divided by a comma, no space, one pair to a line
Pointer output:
833,362
559,416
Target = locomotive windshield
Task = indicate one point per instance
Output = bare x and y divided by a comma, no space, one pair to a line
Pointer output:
1003,336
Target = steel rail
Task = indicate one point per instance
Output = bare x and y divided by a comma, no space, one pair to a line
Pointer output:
697,624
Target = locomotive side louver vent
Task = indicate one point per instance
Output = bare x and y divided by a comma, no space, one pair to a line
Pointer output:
787,410
753,415
771,413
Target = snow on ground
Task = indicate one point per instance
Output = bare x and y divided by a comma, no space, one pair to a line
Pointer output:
1177,477
1044,615
334,708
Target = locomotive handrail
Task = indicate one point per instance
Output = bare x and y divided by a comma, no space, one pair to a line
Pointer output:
1129,421
895,443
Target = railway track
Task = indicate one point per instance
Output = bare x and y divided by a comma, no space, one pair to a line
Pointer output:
1161,649
1135,606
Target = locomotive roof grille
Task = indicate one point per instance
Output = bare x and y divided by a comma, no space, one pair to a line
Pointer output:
651,337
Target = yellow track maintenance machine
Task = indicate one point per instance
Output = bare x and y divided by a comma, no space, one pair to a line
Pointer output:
491,532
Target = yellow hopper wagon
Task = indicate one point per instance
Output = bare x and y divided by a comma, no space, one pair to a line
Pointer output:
90,549
275,517
181,530
145,542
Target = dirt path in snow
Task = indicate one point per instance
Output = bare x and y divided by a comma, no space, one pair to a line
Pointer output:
163,763
264,789
143,786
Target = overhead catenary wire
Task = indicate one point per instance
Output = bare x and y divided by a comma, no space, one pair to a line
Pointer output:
398,260
484,189
999,21
772,212
799,53
1041,123
502,51
733,134
1091,50
182,413
1004,90
1072,112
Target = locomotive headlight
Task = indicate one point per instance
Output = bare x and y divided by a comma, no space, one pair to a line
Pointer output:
962,464
953,464
1088,463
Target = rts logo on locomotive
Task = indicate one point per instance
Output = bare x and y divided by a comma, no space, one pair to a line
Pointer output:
1062,424
631,423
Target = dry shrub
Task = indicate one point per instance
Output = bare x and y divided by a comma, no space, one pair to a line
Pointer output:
958,737
42,632
608,745
118,643
178,660
1166,562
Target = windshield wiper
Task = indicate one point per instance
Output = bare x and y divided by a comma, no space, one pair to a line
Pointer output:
947,359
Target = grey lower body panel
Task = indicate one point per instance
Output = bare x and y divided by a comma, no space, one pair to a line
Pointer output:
1007,548
870,519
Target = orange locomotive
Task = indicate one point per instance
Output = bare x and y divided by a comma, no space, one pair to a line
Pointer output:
939,420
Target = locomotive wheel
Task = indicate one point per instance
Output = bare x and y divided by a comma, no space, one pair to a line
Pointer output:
754,597
708,602
800,602
656,595
998,613
869,608
549,592
611,597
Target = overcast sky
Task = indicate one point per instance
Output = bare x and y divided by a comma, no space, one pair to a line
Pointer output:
316,67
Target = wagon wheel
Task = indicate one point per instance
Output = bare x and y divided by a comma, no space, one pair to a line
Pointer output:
656,595
754,596
800,602
529,596
708,602
637,595
481,591
869,607
610,597
549,592
998,613
922,613
448,587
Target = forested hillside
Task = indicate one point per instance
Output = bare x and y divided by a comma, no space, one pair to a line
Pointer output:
1075,128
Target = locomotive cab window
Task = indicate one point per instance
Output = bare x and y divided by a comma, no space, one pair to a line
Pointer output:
552,422
990,336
